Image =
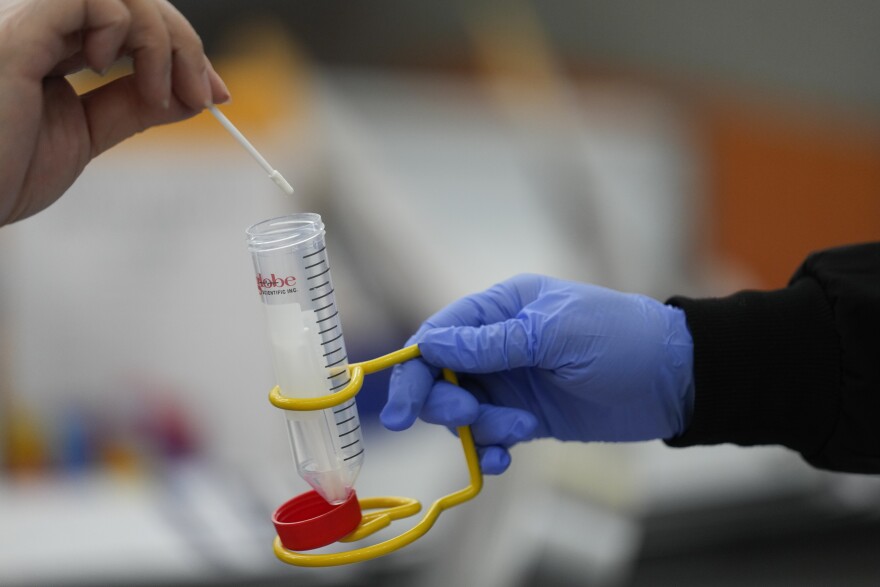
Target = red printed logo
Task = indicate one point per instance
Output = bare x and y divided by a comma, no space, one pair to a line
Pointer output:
273,282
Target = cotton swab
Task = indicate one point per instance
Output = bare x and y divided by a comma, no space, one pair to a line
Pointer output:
274,175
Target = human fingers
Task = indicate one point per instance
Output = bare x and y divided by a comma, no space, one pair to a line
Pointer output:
116,111
408,389
56,38
219,92
105,32
191,75
73,59
494,460
149,44
411,382
503,426
482,349
44,33
449,405
495,430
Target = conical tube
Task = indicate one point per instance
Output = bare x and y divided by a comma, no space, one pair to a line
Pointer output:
308,350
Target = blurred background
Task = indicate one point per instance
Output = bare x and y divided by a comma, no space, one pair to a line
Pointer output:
691,147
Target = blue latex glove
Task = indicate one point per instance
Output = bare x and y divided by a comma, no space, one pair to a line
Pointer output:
540,357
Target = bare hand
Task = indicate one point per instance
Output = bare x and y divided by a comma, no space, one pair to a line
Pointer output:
47,132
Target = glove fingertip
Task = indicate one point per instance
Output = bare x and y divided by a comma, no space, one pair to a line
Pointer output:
434,343
394,419
454,347
408,389
449,405
526,427
494,460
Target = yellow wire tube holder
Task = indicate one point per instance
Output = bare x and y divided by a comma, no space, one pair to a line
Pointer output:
388,508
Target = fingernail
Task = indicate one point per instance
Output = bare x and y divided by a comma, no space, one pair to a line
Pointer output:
206,85
395,417
212,79
225,96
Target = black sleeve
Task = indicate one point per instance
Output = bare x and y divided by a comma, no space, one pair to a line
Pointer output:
799,367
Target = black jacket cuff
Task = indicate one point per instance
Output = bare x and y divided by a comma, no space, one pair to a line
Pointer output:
766,368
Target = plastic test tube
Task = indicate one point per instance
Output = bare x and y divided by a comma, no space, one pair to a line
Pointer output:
308,352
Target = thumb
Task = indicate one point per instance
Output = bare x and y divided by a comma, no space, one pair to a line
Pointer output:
479,349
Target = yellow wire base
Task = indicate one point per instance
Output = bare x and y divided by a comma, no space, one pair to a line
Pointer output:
388,508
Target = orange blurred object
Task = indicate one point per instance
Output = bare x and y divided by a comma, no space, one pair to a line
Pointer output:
786,183
25,442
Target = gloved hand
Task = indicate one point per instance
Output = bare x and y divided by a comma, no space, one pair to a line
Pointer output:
539,357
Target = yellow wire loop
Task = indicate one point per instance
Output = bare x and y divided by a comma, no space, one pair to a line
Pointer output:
356,371
388,508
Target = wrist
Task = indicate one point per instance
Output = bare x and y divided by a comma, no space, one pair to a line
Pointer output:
679,370
767,367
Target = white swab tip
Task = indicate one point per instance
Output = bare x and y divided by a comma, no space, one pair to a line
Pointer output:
281,182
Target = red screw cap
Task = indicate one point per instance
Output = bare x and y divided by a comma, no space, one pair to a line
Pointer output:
307,521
